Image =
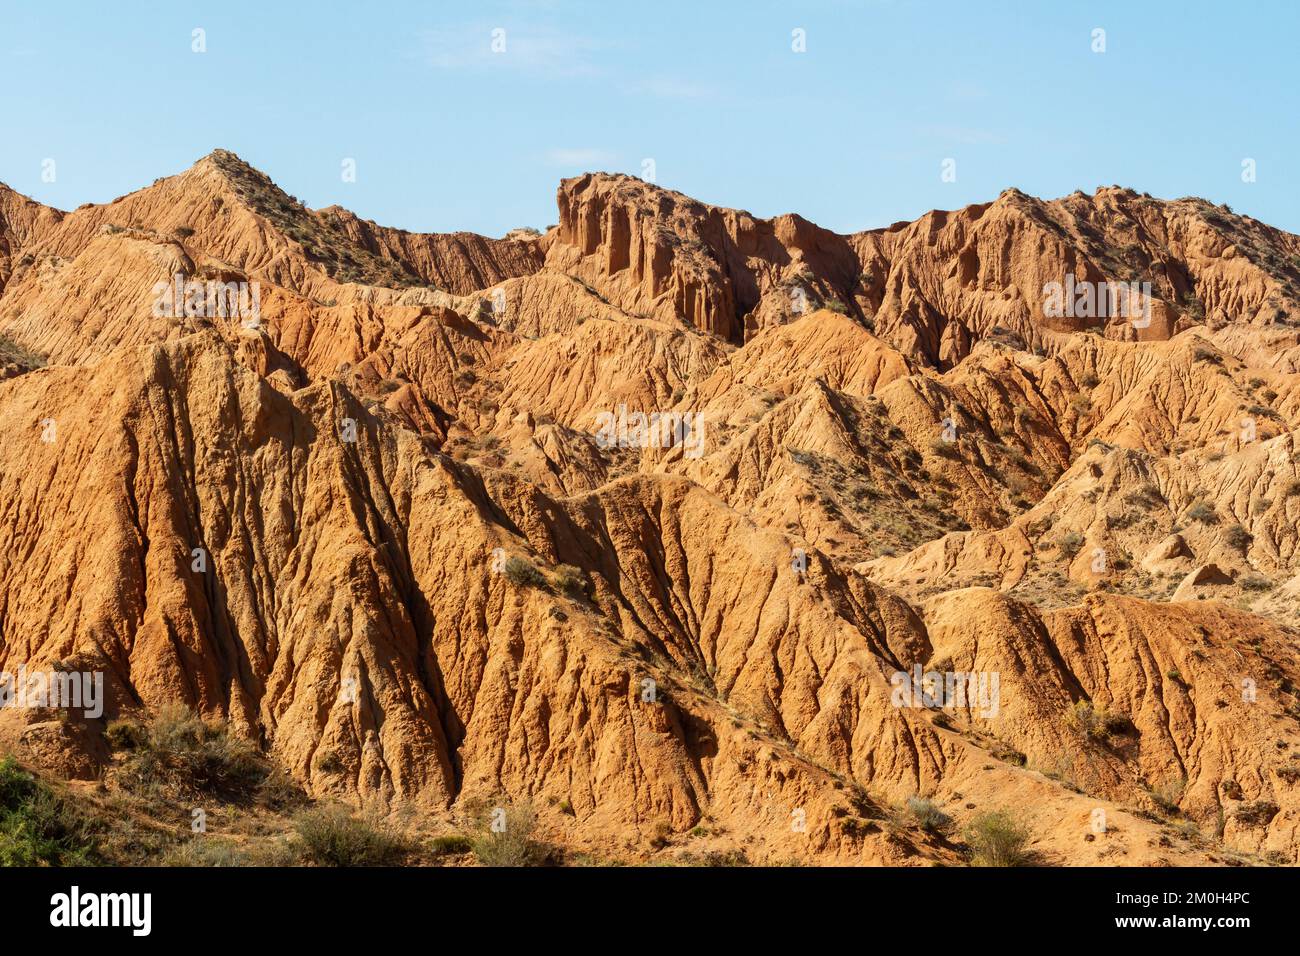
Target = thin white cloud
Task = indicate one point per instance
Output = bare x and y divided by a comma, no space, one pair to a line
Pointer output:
966,136
968,92
584,158
675,88
535,50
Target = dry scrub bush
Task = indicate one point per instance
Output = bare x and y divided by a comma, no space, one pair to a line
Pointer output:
997,839
504,836
332,836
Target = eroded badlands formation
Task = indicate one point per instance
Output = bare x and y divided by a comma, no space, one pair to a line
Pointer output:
895,458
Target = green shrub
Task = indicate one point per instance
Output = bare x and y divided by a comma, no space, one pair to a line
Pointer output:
1258,813
945,449
1001,750
1189,830
1167,795
456,843
571,581
204,851
1237,537
332,836
176,749
996,838
522,574
927,816
505,836
1070,544
1146,497
37,827
1203,512
13,353
279,790
713,858
125,734
1095,723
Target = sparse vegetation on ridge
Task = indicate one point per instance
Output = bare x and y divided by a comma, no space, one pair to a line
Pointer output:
322,237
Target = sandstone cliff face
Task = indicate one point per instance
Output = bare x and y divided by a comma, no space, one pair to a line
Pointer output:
21,221
932,288
655,252
1001,257
886,458
460,262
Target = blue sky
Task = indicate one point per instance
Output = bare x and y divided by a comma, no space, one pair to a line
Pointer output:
851,133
